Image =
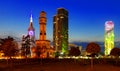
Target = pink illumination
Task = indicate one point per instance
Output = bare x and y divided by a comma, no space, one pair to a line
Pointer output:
109,25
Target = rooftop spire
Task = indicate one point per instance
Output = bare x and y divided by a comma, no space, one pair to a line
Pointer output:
31,19
31,23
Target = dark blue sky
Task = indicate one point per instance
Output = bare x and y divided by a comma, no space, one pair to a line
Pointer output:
86,17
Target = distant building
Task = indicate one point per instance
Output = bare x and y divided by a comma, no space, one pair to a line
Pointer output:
80,48
60,30
84,53
109,37
43,45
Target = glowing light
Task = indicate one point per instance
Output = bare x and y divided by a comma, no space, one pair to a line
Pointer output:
31,33
109,37
109,26
31,19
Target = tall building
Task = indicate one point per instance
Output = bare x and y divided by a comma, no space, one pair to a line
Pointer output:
31,30
28,42
42,44
60,30
109,37
31,33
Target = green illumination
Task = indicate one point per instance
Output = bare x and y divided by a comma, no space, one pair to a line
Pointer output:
109,42
64,45
63,48
64,40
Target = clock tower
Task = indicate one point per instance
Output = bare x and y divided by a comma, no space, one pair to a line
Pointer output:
31,34
31,30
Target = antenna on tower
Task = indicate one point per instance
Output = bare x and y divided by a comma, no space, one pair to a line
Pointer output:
31,19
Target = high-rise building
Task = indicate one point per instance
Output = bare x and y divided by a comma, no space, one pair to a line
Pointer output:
109,37
60,30
43,45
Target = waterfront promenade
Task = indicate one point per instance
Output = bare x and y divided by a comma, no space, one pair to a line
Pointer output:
61,65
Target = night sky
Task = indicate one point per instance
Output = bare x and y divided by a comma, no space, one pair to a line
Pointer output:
86,17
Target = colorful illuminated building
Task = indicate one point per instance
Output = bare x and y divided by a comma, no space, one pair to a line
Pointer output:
31,33
43,45
31,30
109,37
28,41
60,30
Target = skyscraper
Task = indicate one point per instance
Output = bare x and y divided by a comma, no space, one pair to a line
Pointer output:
60,30
109,37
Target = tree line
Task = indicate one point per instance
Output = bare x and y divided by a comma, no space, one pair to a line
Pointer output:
9,47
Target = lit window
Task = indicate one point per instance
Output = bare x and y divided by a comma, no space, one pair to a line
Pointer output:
61,17
57,18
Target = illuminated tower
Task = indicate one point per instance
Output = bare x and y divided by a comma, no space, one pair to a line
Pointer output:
60,30
31,30
109,37
42,44
42,22
31,33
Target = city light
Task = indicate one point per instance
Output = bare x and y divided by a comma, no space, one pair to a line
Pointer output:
59,35
109,37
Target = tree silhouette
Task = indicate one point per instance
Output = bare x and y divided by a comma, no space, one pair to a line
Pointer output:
93,48
74,51
9,46
25,46
115,52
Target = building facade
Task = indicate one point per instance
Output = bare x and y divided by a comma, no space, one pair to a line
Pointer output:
60,30
43,45
109,37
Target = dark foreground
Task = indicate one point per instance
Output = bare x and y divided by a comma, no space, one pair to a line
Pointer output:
60,65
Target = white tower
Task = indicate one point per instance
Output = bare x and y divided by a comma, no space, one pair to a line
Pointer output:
31,33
